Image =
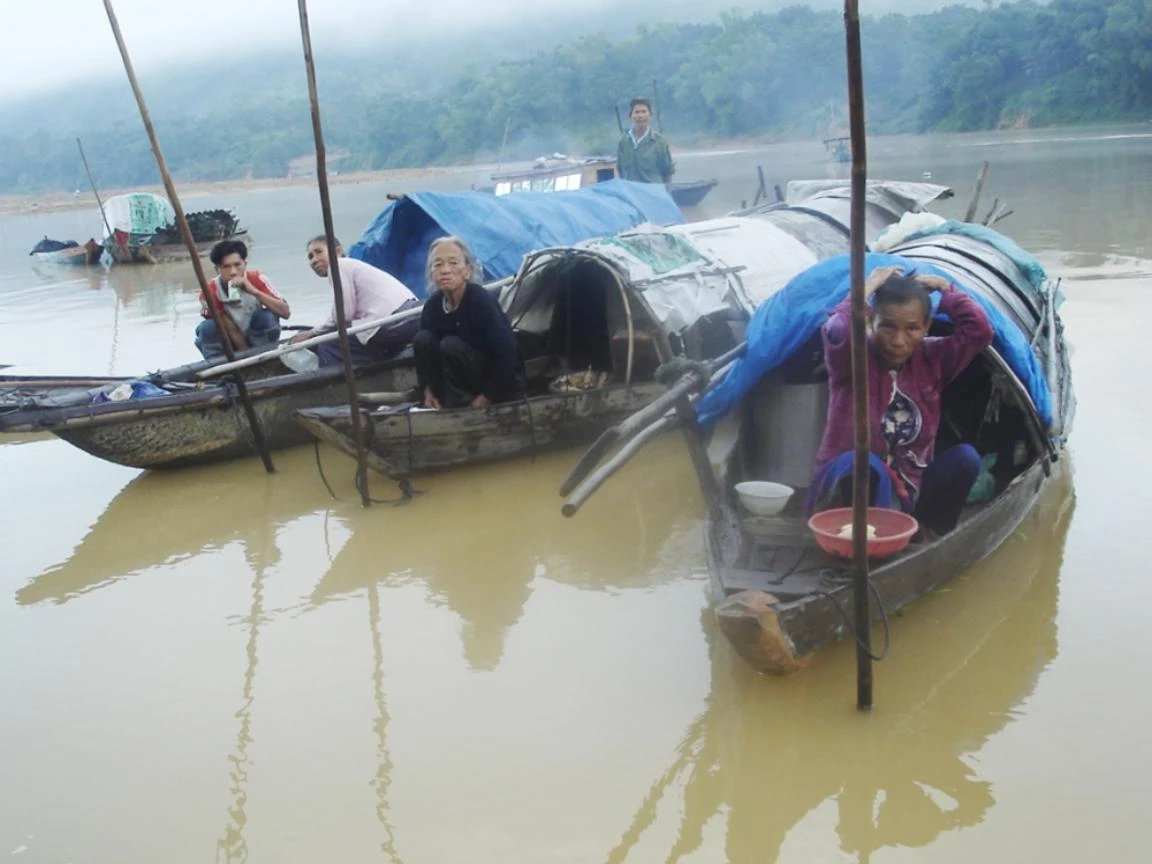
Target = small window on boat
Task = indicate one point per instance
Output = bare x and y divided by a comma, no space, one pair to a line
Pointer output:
567,183
503,187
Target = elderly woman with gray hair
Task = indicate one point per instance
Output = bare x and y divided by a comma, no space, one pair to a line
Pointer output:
466,352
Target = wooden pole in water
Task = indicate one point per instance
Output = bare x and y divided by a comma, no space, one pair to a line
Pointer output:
95,191
970,214
861,599
186,234
333,265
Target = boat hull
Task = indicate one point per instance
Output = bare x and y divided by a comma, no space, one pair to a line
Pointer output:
402,443
690,194
164,253
209,426
776,626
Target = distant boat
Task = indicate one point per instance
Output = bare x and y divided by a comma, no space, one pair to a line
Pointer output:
66,253
839,148
559,173
144,230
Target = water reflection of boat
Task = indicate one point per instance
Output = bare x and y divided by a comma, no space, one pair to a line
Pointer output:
499,541
766,754
190,513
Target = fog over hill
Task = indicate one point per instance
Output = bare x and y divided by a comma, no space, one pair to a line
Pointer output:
508,81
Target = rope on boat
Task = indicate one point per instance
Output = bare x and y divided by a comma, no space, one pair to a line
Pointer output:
848,620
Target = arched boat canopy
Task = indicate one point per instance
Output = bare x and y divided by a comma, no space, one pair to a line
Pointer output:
501,230
1017,310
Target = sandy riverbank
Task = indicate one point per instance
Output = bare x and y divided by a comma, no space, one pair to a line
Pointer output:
50,202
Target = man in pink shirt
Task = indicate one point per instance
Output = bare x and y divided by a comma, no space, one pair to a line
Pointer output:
369,294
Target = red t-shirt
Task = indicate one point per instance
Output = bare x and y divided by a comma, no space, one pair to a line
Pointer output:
259,282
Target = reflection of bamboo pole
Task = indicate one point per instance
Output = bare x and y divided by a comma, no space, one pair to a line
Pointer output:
233,845
186,234
383,778
860,478
333,261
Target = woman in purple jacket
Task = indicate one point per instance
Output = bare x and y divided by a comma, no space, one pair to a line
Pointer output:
907,372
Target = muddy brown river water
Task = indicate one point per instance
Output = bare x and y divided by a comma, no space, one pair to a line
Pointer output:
219,665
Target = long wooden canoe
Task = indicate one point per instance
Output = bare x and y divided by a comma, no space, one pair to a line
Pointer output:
412,440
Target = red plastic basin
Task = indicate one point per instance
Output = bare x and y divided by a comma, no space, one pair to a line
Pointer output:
893,531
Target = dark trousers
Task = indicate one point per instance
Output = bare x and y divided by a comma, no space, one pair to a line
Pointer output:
451,368
264,329
386,342
944,488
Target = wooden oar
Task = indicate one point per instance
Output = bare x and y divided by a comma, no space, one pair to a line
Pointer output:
859,347
646,415
584,491
258,436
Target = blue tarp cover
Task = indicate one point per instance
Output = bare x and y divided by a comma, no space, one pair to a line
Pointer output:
502,229
788,318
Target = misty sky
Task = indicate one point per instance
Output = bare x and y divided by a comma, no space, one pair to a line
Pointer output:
47,43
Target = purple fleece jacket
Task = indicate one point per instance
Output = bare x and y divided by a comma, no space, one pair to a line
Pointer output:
922,378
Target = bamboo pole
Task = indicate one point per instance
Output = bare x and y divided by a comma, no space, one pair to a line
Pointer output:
265,356
861,599
619,122
334,262
186,234
971,213
95,191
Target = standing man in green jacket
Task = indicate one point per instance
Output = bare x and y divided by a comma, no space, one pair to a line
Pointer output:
643,153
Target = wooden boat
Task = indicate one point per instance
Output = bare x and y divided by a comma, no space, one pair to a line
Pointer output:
691,193
143,230
559,173
65,253
197,422
411,440
839,148
777,596
618,307
126,250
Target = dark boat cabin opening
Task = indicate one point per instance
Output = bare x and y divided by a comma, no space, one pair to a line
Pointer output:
569,317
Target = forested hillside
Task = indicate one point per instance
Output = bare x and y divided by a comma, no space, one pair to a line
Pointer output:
778,74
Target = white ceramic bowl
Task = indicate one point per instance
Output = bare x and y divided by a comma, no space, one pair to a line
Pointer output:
763,498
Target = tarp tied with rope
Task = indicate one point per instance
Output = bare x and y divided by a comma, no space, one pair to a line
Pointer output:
501,230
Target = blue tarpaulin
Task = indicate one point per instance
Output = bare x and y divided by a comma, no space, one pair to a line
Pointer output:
501,230
788,318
